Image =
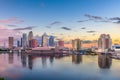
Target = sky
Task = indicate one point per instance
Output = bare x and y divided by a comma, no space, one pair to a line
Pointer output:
65,19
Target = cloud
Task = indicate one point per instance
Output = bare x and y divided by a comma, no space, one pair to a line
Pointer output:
117,22
86,41
83,28
115,18
93,17
91,31
48,26
12,25
82,21
65,28
11,20
2,27
89,41
55,23
26,28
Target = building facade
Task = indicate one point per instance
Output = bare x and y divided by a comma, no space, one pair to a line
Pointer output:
24,40
30,37
61,43
76,44
51,41
44,40
104,42
33,43
11,42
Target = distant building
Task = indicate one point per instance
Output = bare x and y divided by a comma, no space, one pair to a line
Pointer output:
33,43
18,43
76,44
11,42
104,42
30,37
61,43
24,40
39,40
51,41
44,40
21,41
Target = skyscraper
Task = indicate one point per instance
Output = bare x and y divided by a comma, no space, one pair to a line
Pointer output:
76,44
18,43
11,41
24,40
30,37
33,43
104,42
44,40
51,41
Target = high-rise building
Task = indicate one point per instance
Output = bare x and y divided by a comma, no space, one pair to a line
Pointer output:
33,43
21,41
61,43
76,44
104,42
18,43
51,41
44,40
39,40
24,40
30,35
11,42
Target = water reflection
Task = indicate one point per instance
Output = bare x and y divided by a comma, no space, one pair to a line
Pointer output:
77,59
51,59
10,58
30,61
24,60
104,61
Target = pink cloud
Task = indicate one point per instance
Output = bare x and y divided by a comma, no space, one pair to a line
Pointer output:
11,20
2,27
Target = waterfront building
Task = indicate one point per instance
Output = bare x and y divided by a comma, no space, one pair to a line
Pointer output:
21,41
104,42
39,40
76,44
11,42
24,40
30,35
18,43
33,43
61,43
51,41
44,40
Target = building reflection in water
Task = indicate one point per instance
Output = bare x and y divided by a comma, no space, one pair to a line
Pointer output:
24,60
51,59
44,63
30,61
104,61
77,59
10,58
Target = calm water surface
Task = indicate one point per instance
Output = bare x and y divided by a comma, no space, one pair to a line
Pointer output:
17,66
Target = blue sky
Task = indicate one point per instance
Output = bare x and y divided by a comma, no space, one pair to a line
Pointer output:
60,17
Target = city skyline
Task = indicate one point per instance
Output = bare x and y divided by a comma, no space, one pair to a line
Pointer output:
67,20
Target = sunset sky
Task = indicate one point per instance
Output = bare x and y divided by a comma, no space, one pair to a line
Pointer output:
66,19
